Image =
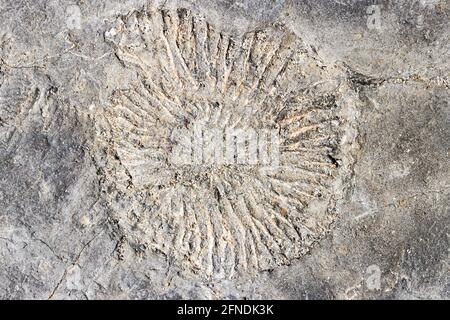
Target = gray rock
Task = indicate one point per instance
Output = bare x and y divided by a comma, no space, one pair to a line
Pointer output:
95,97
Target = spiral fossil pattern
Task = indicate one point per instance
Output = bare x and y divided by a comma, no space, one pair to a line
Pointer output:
222,220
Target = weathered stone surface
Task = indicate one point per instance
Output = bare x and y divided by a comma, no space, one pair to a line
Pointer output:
96,96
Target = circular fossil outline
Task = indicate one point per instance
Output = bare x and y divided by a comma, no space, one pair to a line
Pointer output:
222,221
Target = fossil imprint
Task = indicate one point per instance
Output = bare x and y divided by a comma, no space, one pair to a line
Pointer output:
221,219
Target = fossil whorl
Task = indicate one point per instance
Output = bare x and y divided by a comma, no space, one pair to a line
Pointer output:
217,218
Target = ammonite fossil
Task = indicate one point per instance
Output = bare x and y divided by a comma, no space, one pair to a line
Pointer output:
229,151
